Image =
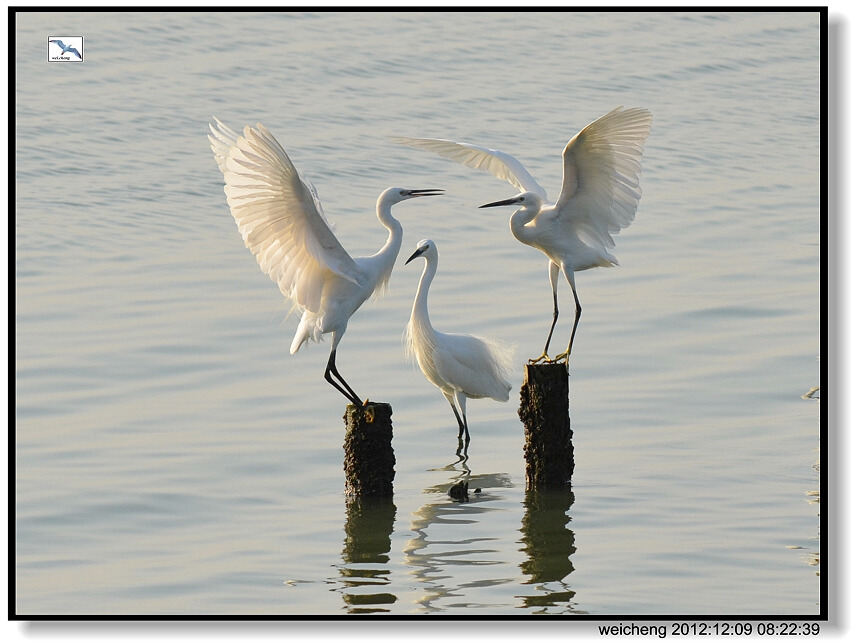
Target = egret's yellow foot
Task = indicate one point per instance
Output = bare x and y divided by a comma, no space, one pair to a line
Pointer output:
369,413
542,358
563,357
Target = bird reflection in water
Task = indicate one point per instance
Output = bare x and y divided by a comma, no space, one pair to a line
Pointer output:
451,532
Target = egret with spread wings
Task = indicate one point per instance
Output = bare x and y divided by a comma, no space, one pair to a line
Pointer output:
599,196
279,215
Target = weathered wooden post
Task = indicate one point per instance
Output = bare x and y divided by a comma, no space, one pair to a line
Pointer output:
369,456
544,402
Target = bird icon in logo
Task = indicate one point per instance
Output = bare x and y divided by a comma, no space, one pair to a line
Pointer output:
67,49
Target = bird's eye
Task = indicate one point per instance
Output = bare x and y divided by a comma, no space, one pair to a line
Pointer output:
521,199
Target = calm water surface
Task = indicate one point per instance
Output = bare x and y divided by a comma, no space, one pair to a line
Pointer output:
172,457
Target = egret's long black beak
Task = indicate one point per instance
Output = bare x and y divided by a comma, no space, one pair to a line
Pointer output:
417,252
430,192
503,202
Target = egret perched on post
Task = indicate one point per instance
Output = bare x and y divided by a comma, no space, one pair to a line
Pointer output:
599,196
461,366
281,219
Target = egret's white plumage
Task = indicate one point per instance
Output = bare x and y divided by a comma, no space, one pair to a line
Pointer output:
280,217
599,196
461,366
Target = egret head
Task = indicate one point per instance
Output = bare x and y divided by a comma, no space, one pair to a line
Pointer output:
426,248
391,196
524,201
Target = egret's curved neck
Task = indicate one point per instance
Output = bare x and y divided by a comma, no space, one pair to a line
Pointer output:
395,230
420,313
386,256
519,227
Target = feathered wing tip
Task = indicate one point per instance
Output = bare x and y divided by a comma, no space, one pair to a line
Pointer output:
221,140
309,330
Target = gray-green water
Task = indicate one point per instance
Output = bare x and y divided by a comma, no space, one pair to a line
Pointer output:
172,457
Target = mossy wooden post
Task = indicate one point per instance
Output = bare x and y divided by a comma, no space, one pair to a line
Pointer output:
369,456
544,403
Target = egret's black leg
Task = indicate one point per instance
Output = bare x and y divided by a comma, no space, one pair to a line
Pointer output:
461,403
460,424
575,324
553,282
343,387
568,273
554,320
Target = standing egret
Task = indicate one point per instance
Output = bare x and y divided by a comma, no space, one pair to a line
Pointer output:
461,366
599,196
280,217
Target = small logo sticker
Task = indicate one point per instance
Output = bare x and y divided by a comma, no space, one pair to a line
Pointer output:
65,49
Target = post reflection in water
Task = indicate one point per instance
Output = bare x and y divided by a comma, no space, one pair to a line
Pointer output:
548,545
366,554
457,551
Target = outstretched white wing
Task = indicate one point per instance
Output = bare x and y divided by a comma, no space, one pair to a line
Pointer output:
279,215
499,164
602,164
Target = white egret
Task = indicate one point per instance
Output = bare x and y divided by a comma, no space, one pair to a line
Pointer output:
599,196
461,366
279,215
